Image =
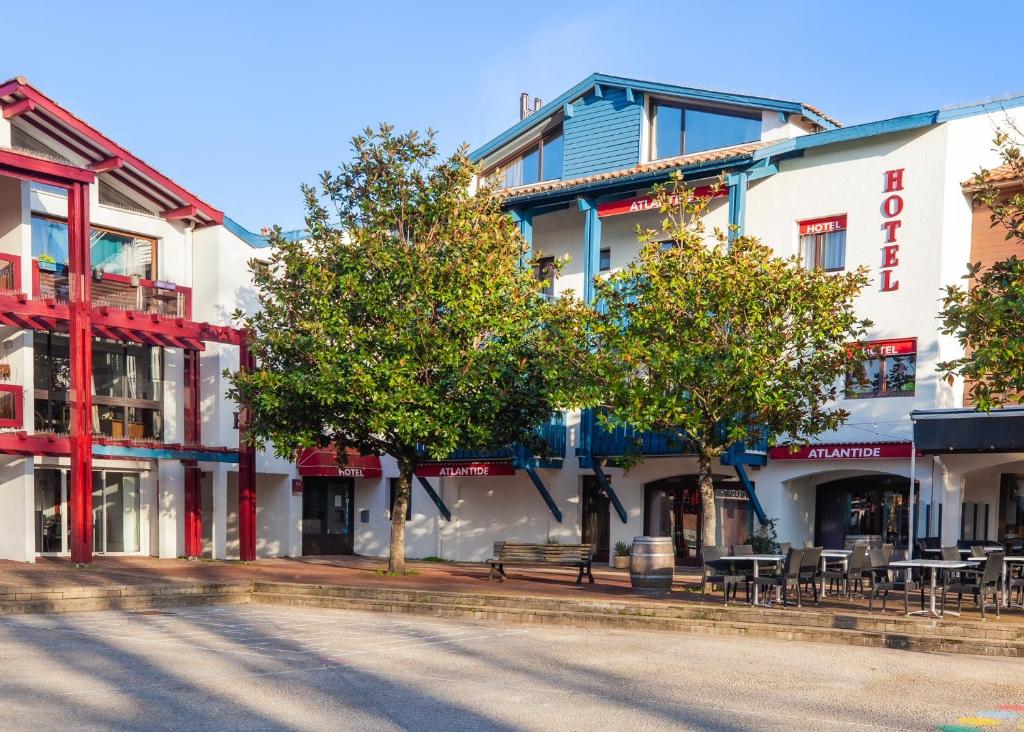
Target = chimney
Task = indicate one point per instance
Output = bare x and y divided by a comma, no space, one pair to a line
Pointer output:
536,104
524,106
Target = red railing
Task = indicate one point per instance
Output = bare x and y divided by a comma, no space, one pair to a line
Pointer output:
115,291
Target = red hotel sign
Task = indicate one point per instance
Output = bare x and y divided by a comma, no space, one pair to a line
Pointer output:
639,204
850,451
823,226
892,207
465,470
904,347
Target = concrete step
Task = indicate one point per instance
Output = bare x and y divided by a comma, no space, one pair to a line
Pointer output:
126,597
987,638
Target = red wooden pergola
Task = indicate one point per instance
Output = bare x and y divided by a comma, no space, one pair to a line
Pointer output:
82,321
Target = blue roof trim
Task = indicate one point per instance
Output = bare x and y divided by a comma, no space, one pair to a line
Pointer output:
886,126
555,105
258,241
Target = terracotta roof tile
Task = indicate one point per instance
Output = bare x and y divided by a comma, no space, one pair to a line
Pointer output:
665,164
821,114
1002,177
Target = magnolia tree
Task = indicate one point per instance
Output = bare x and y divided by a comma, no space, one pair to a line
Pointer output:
987,316
717,342
406,323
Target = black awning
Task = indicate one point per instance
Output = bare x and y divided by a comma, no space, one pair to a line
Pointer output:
968,431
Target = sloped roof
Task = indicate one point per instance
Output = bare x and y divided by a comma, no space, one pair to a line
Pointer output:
83,145
1003,176
555,106
680,161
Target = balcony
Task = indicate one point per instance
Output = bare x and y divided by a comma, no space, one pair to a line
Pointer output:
600,443
553,433
114,291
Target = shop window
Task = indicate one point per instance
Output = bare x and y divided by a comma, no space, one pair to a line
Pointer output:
392,491
544,271
606,260
823,243
110,251
677,130
10,405
889,371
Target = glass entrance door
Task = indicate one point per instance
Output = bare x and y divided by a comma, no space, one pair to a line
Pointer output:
115,512
50,516
327,515
596,518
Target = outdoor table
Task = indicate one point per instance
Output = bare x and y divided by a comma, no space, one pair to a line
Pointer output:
939,551
826,554
755,559
931,565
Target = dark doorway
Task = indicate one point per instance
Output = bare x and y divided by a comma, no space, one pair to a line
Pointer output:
596,518
868,507
672,507
327,515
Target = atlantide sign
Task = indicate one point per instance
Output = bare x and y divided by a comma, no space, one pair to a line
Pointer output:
637,204
892,207
465,470
869,451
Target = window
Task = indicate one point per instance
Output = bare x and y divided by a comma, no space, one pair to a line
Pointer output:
127,387
889,371
111,251
606,260
823,243
544,271
392,490
542,161
680,130
10,406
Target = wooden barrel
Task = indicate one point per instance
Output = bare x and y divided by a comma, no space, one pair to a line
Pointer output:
651,565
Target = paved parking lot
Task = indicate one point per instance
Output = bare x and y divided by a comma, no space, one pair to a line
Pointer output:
262,667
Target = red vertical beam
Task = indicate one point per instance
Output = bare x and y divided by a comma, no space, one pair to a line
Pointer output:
193,476
80,330
246,471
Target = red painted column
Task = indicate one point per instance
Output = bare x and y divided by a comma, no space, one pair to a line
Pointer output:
80,331
193,476
246,473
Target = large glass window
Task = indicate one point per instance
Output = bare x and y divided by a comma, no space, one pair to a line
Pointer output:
111,251
542,161
889,371
554,153
680,130
127,388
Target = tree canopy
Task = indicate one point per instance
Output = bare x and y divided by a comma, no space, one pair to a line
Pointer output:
716,342
405,323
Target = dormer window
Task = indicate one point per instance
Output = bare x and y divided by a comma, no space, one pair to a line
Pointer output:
678,130
541,161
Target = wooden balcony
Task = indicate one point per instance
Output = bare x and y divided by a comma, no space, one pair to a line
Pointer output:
111,290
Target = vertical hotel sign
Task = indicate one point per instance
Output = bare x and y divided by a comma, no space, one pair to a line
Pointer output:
892,208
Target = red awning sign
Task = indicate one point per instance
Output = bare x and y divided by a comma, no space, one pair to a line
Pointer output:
848,451
903,347
824,225
638,204
322,463
465,470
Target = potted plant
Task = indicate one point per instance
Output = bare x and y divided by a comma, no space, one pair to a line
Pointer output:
47,263
135,280
97,273
622,552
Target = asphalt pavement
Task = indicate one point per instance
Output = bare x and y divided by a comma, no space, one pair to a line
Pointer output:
262,667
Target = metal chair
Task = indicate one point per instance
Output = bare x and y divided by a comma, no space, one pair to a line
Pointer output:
978,551
789,577
713,570
989,579
882,583
810,569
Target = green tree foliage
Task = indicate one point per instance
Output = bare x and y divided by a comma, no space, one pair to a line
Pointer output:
987,315
406,323
716,342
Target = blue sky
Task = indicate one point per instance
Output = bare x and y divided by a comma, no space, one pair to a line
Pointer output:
242,101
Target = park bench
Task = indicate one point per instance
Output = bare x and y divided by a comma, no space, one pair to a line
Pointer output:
565,555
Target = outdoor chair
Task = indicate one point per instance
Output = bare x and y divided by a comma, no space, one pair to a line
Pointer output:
987,580
978,550
1016,584
844,579
716,571
789,577
952,554
784,547
742,550
810,569
882,582
887,552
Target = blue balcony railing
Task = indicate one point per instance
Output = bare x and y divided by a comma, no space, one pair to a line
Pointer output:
553,433
598,442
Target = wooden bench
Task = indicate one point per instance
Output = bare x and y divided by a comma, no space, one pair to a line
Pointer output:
565,555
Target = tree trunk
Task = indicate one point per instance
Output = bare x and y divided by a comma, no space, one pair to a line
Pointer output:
709,523
396,557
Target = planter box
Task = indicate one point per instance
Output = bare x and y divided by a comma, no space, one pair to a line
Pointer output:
48,266
621,562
